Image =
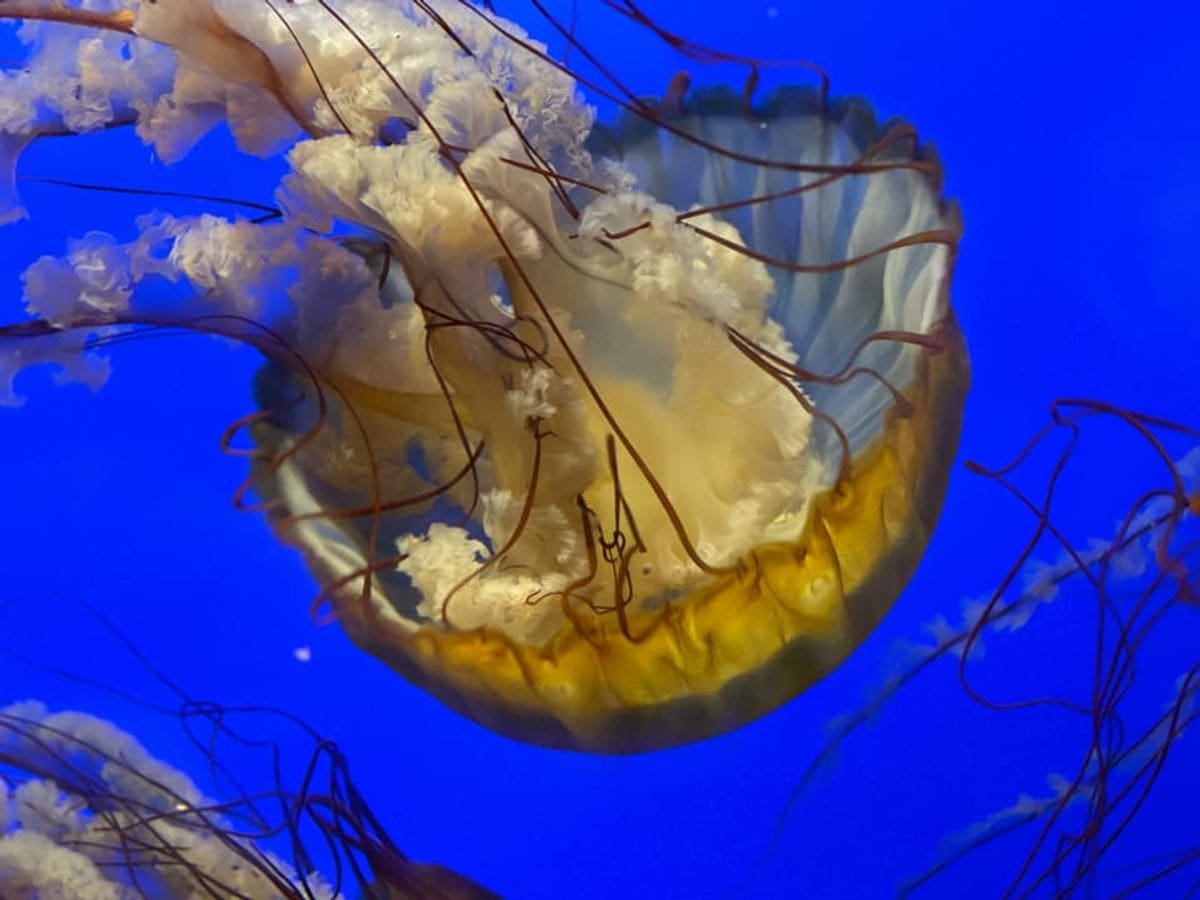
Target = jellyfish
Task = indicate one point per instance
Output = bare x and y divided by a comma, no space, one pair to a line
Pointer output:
87,812
611,436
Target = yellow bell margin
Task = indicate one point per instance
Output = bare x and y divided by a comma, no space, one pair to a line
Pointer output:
734,650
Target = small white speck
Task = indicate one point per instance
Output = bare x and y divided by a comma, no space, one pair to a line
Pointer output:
302,654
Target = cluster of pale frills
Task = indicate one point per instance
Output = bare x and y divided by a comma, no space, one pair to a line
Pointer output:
104,810
305,83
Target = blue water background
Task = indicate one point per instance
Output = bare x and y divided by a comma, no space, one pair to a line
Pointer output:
1070,139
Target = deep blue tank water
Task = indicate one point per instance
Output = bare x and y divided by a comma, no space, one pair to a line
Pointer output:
1067,138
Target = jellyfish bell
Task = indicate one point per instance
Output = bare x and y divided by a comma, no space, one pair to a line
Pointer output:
674,545
611,437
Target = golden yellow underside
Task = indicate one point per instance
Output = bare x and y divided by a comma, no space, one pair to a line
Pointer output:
724,655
